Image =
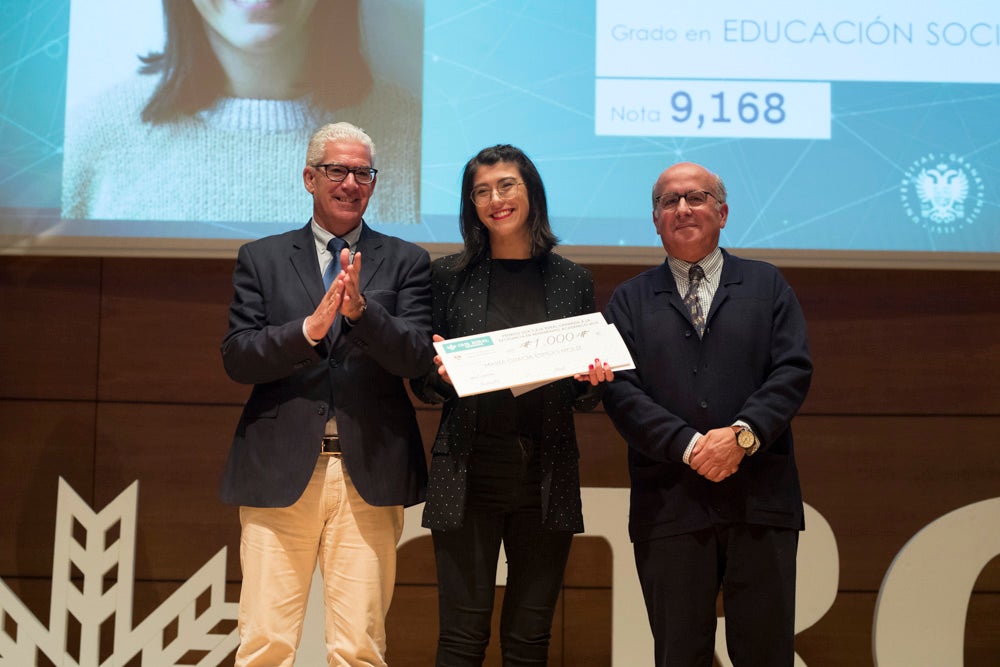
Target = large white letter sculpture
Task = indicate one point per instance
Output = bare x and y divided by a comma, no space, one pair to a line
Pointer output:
818,570
606,516
919,616
922,603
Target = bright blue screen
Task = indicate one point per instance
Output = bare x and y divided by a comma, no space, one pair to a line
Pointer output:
861,127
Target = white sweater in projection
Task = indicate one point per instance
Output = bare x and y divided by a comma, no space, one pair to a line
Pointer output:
241,160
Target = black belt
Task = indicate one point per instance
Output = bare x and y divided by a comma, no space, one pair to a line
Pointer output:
331,444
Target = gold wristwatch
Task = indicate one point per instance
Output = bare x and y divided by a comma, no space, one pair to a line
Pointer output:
746,439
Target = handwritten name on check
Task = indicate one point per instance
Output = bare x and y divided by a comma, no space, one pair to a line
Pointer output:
523,358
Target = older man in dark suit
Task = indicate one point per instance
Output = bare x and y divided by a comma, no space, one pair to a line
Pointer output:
722,365
327,452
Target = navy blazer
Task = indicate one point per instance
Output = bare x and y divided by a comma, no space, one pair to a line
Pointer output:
358,369
752,364
460,304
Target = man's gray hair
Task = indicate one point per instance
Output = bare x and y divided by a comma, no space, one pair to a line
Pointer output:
720,188
336,132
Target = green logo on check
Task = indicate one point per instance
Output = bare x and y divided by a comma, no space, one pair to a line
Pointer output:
468,344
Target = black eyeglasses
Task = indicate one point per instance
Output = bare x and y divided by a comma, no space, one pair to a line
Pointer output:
338,172
669,201
505,189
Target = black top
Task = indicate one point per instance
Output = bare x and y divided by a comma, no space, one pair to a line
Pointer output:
516,298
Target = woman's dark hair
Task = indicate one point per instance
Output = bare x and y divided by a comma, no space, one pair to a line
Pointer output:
191,78
474,232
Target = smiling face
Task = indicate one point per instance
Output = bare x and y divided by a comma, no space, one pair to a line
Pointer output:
338,206
253,24
505,218
689,233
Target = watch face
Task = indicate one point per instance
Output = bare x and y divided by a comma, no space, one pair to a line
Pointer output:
745,439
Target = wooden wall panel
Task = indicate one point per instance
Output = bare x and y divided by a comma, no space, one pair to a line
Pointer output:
415,566
49,327
879,480
40,441
587,624
982,628
902,342
412,626
892,341
843,637
177,453
603,453
899,429
589,564
34,593
161,326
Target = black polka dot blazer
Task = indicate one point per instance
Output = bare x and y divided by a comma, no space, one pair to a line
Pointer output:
459,309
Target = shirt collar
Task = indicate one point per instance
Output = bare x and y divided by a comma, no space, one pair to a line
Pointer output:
711,264
322,237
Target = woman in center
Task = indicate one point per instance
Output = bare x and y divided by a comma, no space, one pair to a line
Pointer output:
504,468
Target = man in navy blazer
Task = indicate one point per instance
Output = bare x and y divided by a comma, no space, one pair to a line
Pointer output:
327,451
722,365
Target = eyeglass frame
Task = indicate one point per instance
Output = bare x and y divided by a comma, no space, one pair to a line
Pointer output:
684,196
496,190
371,171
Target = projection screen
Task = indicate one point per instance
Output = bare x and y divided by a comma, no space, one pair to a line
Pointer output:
852,133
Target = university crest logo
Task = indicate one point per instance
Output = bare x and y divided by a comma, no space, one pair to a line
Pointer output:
942,193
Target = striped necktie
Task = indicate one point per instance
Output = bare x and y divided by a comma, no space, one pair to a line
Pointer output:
695,274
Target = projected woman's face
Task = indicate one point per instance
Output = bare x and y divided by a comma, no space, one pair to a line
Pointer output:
255,24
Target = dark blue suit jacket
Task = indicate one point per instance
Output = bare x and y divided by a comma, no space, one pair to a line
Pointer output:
358,369
752,364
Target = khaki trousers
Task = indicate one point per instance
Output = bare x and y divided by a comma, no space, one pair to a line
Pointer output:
355,546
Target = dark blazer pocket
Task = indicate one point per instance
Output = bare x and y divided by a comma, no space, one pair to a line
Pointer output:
385,298
263,410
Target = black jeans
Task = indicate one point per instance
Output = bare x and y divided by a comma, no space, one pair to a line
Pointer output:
503,505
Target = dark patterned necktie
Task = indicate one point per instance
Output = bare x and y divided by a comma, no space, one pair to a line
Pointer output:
695,275
334,245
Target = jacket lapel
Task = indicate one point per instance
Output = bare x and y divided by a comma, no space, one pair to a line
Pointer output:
306,264
473,311
667,288
732,273
553,276
370,246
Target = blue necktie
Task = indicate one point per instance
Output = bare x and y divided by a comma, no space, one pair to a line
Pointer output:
695,274
334,245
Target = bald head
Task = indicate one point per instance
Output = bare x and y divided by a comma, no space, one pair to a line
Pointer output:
689,230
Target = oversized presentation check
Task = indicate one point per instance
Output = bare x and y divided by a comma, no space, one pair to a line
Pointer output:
523,358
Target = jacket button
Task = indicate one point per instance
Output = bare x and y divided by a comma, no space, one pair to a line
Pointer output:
704,404
321,410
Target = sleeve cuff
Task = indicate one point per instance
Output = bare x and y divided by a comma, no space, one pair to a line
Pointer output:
686,458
